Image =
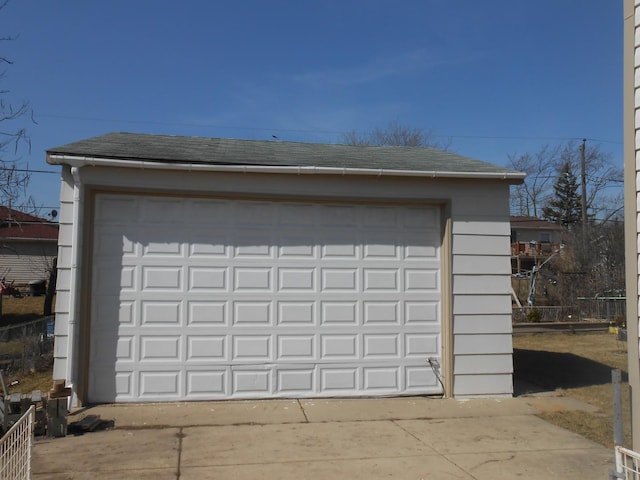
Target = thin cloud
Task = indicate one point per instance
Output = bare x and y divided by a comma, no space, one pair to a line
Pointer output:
379,69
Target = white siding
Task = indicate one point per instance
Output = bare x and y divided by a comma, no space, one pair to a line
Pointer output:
475,324
480,244
61,367
632,199
479,385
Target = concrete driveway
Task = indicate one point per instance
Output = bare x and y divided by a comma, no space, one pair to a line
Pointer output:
403,438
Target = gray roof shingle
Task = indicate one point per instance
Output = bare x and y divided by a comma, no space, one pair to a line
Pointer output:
221,151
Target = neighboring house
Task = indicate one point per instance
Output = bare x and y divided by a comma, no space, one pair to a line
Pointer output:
532,240
631,199
28,245
202,268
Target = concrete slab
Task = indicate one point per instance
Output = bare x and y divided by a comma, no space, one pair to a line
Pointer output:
264,444
318,439
112,454
186,414
494,434
161,474
582,464
405,468
338,410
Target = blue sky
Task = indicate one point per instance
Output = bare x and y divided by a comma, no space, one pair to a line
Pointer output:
497,77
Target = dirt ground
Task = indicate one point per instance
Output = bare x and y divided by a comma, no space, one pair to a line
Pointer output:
576,365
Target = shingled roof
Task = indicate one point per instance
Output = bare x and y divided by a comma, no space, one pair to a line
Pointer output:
137,147
19,225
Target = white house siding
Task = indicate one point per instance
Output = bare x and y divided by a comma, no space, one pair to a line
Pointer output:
23,260
64,317
632,197
478,303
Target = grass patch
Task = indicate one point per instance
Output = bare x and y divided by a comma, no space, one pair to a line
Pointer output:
17,311
20,310
578,366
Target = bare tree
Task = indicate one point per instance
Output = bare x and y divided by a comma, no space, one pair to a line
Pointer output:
397,135
529,197
13,136
544,166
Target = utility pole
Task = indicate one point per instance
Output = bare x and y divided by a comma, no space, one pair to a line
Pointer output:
583,184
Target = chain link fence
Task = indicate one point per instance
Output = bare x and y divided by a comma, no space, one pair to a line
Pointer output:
27,347
611,309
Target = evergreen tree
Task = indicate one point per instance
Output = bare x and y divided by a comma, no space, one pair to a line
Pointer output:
564,207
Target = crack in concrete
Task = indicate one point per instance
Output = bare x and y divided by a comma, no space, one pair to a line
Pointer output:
180,435
303,412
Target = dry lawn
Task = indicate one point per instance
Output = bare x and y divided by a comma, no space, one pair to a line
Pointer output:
16,311
576,365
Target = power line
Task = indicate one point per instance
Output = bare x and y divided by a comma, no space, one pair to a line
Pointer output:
309,131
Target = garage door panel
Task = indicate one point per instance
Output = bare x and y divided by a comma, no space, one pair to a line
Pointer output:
337,215
269,300
251,382
378,313
295,380
382,247
208,279
339,279
203,313
252,313
159,384
334,347
380,379
118,210
206,348
110,243
336,380
252,279
252,348
419,378
300,347
161,312
302,313
164,348
111,385
296,215
381,279
105,306
381,346
297,279
296,247
207,212
421,312
207,384
212,245
421,345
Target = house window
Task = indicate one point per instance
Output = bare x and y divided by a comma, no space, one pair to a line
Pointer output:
545,237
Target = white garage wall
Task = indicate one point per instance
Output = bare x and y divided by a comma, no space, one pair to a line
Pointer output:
480,263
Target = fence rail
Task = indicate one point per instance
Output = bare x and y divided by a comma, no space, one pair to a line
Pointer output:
627,464
15,448
583,310
546,314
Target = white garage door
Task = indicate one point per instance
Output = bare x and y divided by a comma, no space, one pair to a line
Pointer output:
208,298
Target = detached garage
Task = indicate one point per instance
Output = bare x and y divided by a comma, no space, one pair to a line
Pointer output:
199,269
